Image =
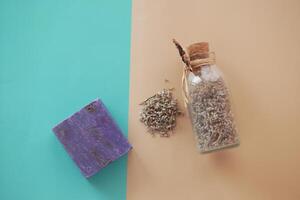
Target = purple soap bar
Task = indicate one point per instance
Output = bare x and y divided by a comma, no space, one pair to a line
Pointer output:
92,138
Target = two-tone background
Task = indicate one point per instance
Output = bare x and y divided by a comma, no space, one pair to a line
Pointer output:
56,56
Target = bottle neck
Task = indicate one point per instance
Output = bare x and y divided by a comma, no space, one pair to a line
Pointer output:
200,62
199,55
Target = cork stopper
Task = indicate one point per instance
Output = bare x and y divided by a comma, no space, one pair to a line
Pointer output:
195,56
198,51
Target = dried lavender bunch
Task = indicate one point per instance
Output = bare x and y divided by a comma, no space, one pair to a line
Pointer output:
159,113
212,117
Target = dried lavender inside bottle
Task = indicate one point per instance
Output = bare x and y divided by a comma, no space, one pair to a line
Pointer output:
210,110
208,101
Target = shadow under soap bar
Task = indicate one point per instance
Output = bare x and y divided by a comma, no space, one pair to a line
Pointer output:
92,138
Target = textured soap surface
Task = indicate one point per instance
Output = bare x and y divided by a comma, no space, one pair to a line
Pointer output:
92,138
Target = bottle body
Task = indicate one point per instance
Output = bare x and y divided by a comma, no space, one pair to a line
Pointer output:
210,110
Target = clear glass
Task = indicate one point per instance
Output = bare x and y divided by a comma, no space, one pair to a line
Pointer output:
210,110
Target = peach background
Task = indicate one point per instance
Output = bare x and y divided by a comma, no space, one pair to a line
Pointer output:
257,44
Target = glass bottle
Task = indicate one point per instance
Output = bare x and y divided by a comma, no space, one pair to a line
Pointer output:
207,99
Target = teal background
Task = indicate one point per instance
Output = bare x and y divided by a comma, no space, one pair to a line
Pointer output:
55,57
